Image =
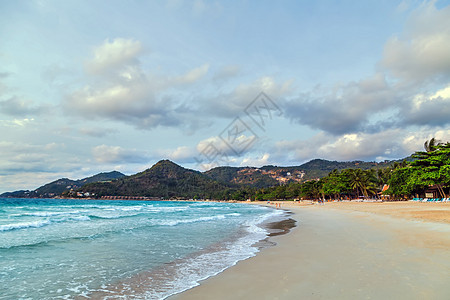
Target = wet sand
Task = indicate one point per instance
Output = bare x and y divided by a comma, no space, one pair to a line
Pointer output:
346,251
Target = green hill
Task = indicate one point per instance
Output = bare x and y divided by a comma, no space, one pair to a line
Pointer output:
241,176
165,179
57,187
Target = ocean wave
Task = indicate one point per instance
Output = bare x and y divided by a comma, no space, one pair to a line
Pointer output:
108,217
37,242
41,223
34,224
47,213
201,219
186,273
167,209
131,208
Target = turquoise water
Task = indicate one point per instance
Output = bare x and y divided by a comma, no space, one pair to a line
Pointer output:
66,249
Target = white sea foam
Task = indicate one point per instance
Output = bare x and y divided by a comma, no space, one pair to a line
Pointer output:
193,270
168,209
195,220
201,219
72,226
112,216
41,223
33,224
49,213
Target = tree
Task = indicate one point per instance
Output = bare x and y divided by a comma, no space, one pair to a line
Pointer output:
400,183
362,181
312,189
431,145
432,167
335,184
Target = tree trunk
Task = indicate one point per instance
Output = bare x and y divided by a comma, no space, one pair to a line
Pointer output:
441,190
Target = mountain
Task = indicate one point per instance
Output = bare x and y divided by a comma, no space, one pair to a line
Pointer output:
272,175
62,185
318,168
249,176
164,179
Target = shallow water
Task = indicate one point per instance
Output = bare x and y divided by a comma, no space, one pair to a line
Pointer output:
65,249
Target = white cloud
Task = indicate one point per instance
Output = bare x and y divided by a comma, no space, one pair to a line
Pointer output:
226,73
424,49
388,144
20,107
182,154
28,166
97,132
35,158
193,75
122,90
259,161
346,108
114,54
213,146
431,109
118,155
232,104
16,122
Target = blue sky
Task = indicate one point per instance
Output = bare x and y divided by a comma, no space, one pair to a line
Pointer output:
92,86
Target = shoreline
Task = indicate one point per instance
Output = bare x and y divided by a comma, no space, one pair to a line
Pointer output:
342,251
137,286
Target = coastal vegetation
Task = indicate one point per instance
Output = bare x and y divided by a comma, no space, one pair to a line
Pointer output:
428,170
425,172
396,180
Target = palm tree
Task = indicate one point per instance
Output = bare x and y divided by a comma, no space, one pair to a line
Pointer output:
431,144
362,181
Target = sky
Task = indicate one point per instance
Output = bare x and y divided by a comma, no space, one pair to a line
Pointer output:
96,86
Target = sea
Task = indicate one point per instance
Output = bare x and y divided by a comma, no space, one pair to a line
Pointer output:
92,249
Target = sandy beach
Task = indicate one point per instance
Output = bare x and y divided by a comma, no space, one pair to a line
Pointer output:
346,251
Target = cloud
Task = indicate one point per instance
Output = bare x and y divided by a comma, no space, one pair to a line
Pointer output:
28,166
182,154
97,132
432,110
23,157
212,147
423,51
388,144
193,75
345,147
27,180
260,161
413,141
122,90
421,55
226,73
19,107
232,104
346,108
118,155
362,146
16,122
57,75
114,54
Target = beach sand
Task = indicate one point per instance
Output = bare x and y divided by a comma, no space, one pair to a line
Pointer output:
346,251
